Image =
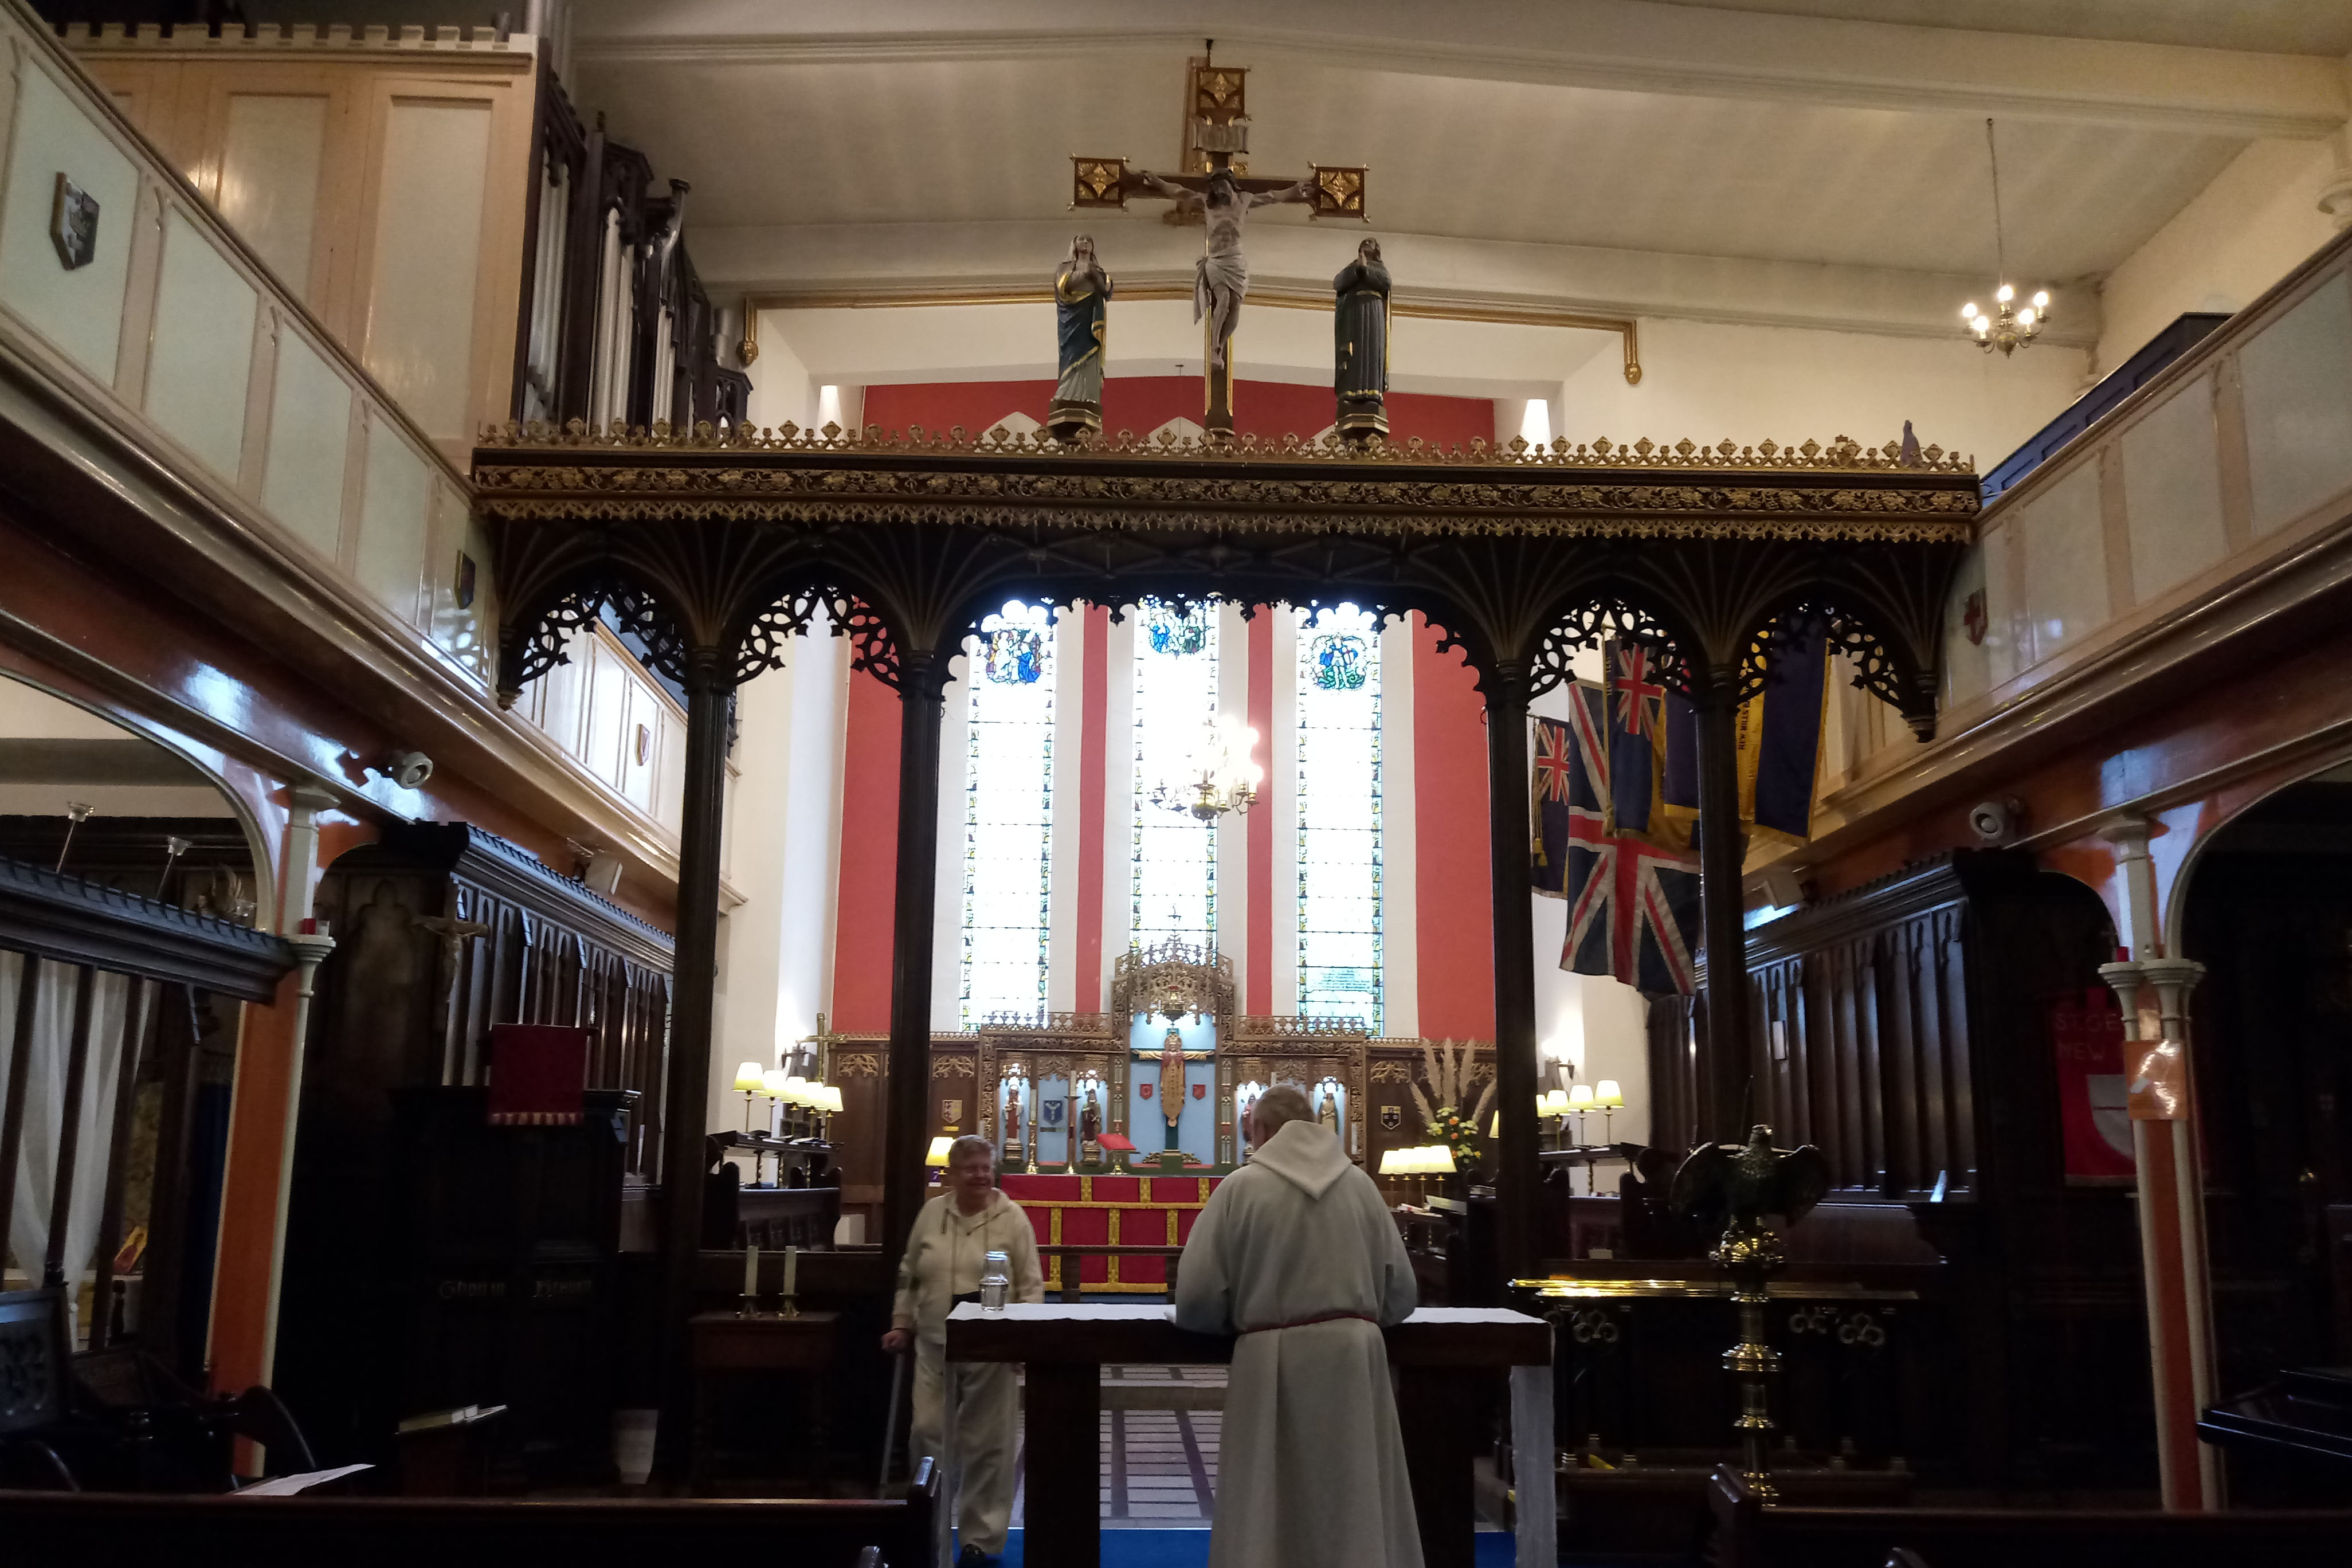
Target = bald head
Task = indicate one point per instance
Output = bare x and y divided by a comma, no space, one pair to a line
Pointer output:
1277,1106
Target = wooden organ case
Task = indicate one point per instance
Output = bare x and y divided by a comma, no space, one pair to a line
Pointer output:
432,1259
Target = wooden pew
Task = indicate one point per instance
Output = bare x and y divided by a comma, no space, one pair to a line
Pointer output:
61,1530
1752,1534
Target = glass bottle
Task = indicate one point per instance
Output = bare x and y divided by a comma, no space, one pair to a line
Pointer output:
995,1282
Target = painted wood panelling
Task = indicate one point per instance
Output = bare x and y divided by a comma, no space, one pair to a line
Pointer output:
601,708
2224,471
385,180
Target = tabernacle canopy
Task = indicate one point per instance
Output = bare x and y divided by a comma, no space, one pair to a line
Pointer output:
1295,1253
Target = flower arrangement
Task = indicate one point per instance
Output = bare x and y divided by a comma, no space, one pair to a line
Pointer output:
1450,1073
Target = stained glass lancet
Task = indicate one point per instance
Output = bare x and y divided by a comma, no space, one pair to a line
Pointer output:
1008,813
1172,888
1339,854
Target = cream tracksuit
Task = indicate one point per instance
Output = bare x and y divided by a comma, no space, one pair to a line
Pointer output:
945,1255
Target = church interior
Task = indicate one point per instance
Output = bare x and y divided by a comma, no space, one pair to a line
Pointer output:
1726,640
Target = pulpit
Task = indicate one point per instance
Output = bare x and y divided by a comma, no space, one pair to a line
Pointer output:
1439,1353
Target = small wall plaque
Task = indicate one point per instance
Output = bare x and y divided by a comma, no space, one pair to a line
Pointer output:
73,224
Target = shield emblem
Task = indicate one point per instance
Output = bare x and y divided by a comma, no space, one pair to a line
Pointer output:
1144,1089
1199,1091
1392,1117
73,224
950,1113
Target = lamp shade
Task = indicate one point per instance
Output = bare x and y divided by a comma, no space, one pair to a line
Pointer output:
1580,1097
1389,1162
1607,1096
750,1078
773,1079
795,1089
939,1154
832,1095
1440,1160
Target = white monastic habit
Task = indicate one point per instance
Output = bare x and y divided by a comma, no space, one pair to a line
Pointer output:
1297,1253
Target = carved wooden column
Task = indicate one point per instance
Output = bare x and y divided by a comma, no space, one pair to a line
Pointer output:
1725,1072
1516,1176
922,679
710,683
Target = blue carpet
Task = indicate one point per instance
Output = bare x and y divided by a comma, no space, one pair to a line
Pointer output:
1190,1549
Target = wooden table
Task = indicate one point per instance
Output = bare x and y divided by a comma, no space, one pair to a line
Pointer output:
1438,1352
729,1342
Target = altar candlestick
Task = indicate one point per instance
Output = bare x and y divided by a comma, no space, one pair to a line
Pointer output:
751,1278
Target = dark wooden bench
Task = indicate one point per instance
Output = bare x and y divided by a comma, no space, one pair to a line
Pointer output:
1752,1534
69,1528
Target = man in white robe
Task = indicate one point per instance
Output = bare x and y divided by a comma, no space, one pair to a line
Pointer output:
1297,1255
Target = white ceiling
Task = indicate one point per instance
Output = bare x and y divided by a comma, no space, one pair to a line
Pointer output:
1778,130
2269,26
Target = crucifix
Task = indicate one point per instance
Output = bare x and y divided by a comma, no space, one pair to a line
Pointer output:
1172,1056
1216,128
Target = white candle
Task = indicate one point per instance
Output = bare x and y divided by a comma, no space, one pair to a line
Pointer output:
751,1272
792,1270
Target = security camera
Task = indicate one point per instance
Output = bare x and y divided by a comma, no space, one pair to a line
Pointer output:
409,770
1997,821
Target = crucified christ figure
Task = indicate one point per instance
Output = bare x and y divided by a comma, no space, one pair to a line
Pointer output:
1221,279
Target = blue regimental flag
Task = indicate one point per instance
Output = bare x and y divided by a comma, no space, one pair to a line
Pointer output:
1779,741
1633,905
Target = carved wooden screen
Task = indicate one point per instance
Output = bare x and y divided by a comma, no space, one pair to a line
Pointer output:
1869,1041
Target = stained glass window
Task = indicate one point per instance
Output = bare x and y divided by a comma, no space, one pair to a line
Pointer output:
1174,887
1339,815
1008,837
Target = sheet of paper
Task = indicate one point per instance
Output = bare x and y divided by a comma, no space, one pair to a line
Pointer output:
288,1486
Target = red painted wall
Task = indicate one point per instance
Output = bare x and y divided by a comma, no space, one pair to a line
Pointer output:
869,859
1258,986
1143,403
1457,898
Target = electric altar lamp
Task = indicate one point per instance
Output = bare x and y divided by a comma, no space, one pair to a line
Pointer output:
752,1080
937,1158
795,1090
1607,1097
1581,1100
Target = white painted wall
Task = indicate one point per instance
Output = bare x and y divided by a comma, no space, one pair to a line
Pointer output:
1711,381
776,946
782,389
2257,220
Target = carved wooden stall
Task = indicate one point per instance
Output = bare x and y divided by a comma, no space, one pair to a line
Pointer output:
1906,1029
442,931
115,988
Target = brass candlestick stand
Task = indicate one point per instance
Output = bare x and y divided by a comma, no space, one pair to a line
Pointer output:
1735,1186
1751,1255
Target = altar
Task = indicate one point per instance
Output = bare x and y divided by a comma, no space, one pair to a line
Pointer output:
1169,1069
1112,1211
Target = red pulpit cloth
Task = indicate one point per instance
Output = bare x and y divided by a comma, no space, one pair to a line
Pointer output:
538,1072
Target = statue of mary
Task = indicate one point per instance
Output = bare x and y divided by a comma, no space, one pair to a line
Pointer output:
1360,364
1081,308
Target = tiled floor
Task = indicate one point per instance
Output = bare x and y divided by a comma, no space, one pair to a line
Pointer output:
1159,1465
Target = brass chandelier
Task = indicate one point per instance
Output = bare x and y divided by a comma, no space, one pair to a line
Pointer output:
2009,326
1218,777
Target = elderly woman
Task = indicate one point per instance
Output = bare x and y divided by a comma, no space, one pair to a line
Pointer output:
946,1255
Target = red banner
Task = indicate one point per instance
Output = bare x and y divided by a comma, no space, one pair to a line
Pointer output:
2086,1041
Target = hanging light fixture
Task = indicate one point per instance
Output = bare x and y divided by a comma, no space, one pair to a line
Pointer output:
2009,326
1218,777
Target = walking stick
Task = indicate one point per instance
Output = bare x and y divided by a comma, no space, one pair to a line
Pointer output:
891,1424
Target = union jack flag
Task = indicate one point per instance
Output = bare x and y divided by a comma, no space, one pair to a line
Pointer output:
1633,907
